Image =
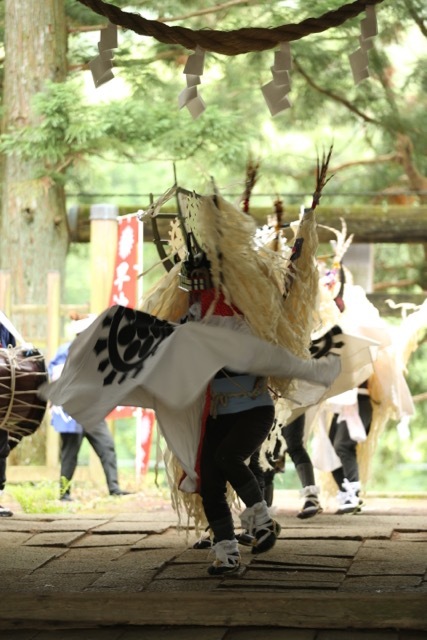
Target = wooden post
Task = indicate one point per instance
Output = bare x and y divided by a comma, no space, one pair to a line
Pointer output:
5,293
53,313
103,240
53,339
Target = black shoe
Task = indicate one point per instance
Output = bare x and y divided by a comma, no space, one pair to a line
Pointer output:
311,508
5,513
203,543
245,539
220,569
120,492
66,498
265,537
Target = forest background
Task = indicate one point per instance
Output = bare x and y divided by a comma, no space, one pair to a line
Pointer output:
63,143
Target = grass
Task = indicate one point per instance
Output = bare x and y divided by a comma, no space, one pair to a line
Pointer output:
43,497
37,498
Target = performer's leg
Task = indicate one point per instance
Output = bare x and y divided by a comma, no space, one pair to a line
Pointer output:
70,447
275,459
268,491
102,442
255,467
347,476
338,475
365,411
245,434
213,484
345,448
294,437
265,481
4,452
228,442
213,489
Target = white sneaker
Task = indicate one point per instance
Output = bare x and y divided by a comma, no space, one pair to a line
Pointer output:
348,499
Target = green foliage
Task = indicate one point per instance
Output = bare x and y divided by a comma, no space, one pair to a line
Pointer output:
69,130
399,262
65,128
141,121
78,278
77,274
37,498
400,463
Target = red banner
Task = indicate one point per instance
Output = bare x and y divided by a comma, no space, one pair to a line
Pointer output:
146,419
127,287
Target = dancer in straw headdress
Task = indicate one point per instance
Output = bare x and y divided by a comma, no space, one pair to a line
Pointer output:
224,328
349,425
224,274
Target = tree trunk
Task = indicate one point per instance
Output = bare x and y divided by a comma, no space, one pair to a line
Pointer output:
33,226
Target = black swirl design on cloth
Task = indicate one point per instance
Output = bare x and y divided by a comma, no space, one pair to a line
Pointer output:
130,338
323,345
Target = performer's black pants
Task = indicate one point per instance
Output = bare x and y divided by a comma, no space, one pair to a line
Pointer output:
293,434
294,438
228,443
102,442
345,447
4,452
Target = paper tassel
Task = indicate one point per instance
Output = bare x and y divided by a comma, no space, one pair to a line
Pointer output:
101,66
276,92
359,62
189,97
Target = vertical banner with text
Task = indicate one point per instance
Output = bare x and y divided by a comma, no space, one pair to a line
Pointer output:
126,290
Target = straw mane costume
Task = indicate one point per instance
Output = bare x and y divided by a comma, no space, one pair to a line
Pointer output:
226,303
243,287
253,276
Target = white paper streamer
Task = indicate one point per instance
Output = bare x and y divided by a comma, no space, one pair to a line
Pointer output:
189,97
101,66
276,91
154,208
359,62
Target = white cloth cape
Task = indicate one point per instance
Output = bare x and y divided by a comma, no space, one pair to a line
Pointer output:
105,369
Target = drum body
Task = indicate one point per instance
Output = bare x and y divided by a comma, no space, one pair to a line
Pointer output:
22,371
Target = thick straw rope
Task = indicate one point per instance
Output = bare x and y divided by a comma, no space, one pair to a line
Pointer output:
229,43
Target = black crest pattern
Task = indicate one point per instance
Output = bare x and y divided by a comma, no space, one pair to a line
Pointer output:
330,340
128,338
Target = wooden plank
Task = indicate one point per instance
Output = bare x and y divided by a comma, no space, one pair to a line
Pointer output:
216,608
369,223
